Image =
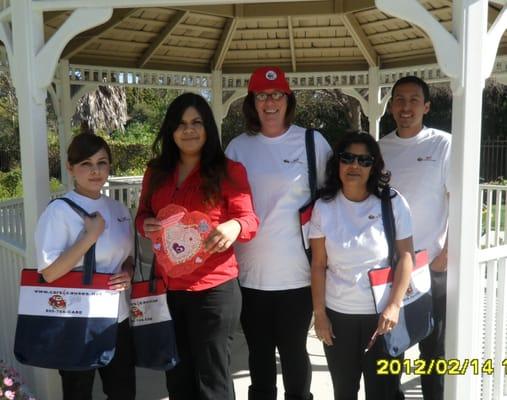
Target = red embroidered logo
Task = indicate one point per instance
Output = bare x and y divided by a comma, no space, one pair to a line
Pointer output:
57,301
136,312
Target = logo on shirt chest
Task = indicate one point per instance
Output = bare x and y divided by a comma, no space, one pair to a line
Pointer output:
294,161
123,219
425,158
374,216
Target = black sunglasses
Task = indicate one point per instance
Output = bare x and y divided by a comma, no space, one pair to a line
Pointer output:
364,160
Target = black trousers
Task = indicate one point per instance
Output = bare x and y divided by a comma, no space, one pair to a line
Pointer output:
278,319
118,377
347,360
205,322
433,347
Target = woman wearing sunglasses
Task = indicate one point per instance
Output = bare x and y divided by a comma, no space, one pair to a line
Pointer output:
348,239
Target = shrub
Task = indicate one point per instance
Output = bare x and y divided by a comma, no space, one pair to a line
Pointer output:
11,184
129,158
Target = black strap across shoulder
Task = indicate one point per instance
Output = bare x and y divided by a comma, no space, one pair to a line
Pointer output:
389,224
312,166
89,266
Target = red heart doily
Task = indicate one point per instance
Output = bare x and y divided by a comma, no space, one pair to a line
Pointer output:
179,245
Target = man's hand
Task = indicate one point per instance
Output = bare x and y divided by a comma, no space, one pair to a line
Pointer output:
439,263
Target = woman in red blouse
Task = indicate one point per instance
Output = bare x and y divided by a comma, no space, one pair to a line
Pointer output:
191,170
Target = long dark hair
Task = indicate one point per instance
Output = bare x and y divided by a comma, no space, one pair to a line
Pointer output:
378,177
213,163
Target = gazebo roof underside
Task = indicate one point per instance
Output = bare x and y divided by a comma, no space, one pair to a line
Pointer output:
330,35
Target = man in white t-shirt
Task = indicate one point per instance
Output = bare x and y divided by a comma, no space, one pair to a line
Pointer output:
418,158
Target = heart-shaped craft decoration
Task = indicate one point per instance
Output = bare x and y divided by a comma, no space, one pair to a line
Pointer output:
179,245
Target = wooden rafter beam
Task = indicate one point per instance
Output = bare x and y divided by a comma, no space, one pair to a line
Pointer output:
493,12
357,5
162,37
86,38
224,44
360,39
291,42
279,9
52,15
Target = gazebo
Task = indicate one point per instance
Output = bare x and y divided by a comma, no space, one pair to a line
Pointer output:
68,47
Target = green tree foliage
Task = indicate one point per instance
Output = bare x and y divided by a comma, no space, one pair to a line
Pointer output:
494,120
148,106
9,137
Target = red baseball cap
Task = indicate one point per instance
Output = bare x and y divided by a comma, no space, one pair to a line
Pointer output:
265,78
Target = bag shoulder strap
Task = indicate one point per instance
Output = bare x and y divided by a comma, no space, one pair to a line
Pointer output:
389,223
138,265
89,266
312,166
76,207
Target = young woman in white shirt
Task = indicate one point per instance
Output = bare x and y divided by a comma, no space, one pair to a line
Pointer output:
348,239
62,237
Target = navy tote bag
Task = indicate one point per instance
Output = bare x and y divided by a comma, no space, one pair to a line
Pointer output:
70,323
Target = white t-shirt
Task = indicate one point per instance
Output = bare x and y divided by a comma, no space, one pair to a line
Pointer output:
355,243
60,226
278,174
419,170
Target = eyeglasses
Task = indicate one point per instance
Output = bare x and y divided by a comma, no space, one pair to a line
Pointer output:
364,160
275,96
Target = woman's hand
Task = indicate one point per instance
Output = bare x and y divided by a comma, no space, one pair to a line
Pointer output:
122,281
223,236
388,318
151,224
323,328
94,226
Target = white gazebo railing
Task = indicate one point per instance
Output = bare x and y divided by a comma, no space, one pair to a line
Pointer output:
492,257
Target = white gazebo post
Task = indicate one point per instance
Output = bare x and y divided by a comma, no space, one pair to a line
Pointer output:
467,56
216,99
64,117
463,300
27,40
62,104
375,109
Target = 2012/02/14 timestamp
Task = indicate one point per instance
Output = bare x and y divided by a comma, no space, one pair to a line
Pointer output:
439,366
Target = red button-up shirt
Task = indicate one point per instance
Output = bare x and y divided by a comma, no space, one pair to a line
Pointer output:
235,203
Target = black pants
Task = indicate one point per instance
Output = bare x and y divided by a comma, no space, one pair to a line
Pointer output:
433,347
347,360
118,377
205,322
278,319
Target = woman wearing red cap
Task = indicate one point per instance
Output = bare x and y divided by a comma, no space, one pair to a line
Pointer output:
274,270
